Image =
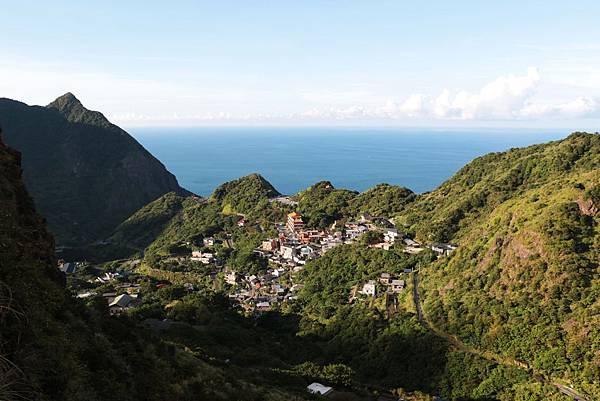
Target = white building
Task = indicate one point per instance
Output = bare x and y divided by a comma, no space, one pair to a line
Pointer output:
391,235
369,288
270,245
397,285
231,278
263,306
204,258
443,249
287,252
318,388
120,303
307,251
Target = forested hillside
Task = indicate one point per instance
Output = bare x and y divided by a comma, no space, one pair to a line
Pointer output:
173,221
322,203
449,211
246,195
525,281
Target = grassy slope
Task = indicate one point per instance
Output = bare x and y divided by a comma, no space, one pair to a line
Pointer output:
174,220
449,211
244,195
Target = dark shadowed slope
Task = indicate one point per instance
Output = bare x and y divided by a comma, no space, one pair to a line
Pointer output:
86,174
53,347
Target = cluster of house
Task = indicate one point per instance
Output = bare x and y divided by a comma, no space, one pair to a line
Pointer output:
392,285
392,235
125,290
107,277
295,244
124,297
259,293
203,257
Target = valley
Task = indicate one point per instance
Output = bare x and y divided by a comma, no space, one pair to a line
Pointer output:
300,201
320,255
483,289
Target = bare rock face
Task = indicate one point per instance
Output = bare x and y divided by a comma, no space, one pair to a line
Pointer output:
85,174
587,207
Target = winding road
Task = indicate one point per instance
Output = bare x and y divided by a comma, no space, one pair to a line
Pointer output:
566,390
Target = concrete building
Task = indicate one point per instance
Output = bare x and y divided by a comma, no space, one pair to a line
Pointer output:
295,222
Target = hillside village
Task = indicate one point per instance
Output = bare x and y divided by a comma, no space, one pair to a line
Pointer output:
286,254
296,244
280,283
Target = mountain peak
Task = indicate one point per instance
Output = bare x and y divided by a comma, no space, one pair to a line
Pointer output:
67,104
66,99
74,111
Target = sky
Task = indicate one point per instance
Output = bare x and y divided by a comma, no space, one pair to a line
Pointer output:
398,63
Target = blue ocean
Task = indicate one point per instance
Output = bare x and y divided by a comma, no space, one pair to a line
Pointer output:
354,158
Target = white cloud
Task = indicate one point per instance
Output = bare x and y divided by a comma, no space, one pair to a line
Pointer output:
502,98
577,108
416,106
510,97
131,100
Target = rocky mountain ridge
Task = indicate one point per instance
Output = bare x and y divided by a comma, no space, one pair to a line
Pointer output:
85,174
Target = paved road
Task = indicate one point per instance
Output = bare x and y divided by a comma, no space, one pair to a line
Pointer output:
568,391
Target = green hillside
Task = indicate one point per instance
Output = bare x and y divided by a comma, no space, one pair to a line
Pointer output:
144,226
322,203
446,213
246,195
172,221
524,283
382,200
